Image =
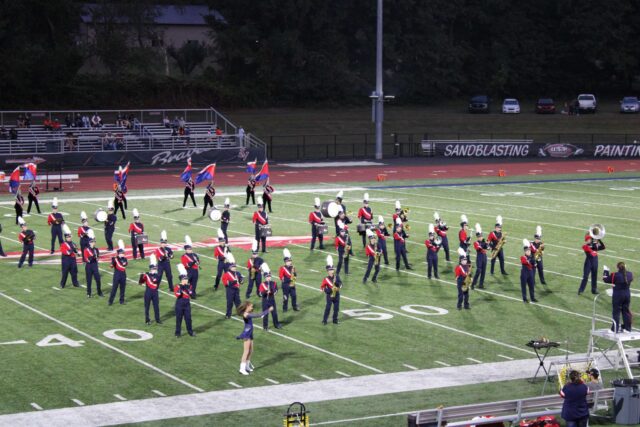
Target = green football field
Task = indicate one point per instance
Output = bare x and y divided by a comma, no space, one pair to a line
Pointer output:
61,349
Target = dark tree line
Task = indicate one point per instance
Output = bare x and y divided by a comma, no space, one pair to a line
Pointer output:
304,52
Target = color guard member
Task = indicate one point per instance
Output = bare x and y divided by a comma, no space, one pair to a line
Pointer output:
494,237
590,248
188,192
183,302
288,276
343,247
462,271
119,264
366,217
136,228
246,312
110,225
151,281
481,246
119,200
260,217
164,255
464,238
399,245
220,254
208,197
55,221
226,219
373,253
432,253
91,258
33,197
331,287
537,249
191,263
231,280
267,291
26,237
68,251
382,233
527,273
251,189
19,205
621,298
315,219
441,229
267,191
83,233
254,271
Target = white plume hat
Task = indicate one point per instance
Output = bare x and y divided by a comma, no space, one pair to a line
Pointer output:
136,214
462,253
265,268
369,233
54,202
182,272
436,216
526,244
120,245
153,261
431,229
329,265
254,246
227,202
398,221
110,204
478,228
286,254
21,221
187,242
230,258
499,220
83,216
380,219
464,219
398,204
538,231
66,230
220,235
316,202
340,194
163,236
260,201
366,197
91,234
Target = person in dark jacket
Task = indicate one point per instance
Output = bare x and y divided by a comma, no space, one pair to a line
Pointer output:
621,298
575,410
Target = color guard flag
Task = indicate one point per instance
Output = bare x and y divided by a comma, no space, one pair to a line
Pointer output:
14,180
264,172
206,174
30,172
120,176
251,166
186,174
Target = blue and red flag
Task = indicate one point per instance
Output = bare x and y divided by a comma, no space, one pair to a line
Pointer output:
14,180
120,176
251,166
185,176
30,171
264,172
206,174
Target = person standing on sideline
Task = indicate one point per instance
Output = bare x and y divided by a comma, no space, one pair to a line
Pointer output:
621,298
33,197
183,302
91,257
575,410
26,237
151,281
245,310
119,264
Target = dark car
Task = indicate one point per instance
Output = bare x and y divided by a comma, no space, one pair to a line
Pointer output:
479,104
545,106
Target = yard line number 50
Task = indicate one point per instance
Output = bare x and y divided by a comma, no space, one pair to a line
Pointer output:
366,314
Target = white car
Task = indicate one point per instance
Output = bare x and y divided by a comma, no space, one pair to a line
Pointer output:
587,103
511,106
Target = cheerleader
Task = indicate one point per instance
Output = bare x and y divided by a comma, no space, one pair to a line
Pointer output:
188,192
208,197
19,205
245,310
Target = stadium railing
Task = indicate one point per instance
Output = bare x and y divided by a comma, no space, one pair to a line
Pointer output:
504,411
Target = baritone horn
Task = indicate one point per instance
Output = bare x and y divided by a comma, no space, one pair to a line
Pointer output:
438,240
596,231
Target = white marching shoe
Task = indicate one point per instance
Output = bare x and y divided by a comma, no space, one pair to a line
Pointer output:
243,369
249,367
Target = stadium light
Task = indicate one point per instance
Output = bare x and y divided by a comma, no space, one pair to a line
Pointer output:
377,97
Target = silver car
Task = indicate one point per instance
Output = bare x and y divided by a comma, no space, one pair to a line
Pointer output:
629,104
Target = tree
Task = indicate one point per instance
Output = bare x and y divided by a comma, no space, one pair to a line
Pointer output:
188,56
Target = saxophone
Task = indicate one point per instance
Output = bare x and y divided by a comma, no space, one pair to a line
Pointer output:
377,257
293,277
539,252
334,291
347,247
468,279
495,251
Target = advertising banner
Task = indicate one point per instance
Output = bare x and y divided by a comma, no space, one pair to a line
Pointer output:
498,149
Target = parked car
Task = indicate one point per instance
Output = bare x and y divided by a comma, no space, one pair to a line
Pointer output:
479,104
587,103
545,106
510,106
629,104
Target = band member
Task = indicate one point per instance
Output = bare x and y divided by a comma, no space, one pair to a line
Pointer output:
220,254
231,280
343,211
267,191
316,219
331,287
464,238
621,298
164,255
55,221
251,189
373,253
462,271
246,312
366,217
119,264
110,225
208,197
481,246
91,257
26,237
188,192
182,308
343,246
382,233
83,233
537,249
226,219
260,218
33,197
527,273
432,253
151,281
2,254
254,264
69,251
591,247
399,246
267,291
191,263
136,228
288,277
19,205
441,229
119,200
494,239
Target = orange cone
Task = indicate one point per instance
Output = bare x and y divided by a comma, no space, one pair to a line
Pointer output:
610,169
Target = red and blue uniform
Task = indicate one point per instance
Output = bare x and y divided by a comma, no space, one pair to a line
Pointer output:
267,291
224,223
26,238
55,221
91,257
464,240
481,263
136,228
109,229
494,238
231,280
220,255
254,269
370,251
590,264
191,263
527,277
69,265
260,217
327,287
399,247
442,232
383,233
535,246
83,231
19,205
461,272
251,190
432,257
365,215
151,281
315,219
119,265
164,255
183,308
286,275
341,243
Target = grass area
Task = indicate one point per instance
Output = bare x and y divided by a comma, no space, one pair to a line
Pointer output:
94,373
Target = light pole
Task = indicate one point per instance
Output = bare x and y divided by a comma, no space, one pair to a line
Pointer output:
378,95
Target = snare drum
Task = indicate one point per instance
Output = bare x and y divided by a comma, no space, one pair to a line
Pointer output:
363,227
322,229
265,230
141,239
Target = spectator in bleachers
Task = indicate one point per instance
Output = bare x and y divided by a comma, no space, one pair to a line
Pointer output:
27,120
47,124
78,120
187,135
85,121
68,120
182,123
119,138
4,133
241,135
70,141
96,121
166,122
55,125
126,123
13,134
20,121
119,120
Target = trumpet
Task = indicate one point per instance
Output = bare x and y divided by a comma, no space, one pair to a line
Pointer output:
596,231
538,255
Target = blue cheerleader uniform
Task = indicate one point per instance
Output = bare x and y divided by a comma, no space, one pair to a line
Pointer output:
247,332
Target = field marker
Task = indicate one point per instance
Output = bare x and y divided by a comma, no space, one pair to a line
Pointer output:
159,393
27,290
117,396
505,357
413,368
343,374
13,342
307,377
474,360
55,288
272,381
36,406
78,402
234,384
441,363
313,271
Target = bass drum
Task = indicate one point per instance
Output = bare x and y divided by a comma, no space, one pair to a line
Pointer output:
330,209
215,214
100,215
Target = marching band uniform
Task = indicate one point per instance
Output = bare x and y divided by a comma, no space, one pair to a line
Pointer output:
441,229
55,221
226,219
191,263
461,272
83,231
188,192
151,281
26,237
315,219
2,254
119,264
136,228
527,273
621,298
288,275
382,233
251,190
33,197
231,280
19,205
69,251
164,254
372,252
267,291
494,238
481,246
254,265
260,217
110,226
342,213
341,243
590,249
208,197
432,255
330,282
399,246
183,303
220,253
535,247
267,192
366,216
91,258
464,238
119,200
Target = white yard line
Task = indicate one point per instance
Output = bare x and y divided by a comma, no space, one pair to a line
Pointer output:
34,405
441,363
78,402
234,384
27,290
159,393
505,357
343,374
413,368
474,360
272,381
119,397
13,342
307,377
